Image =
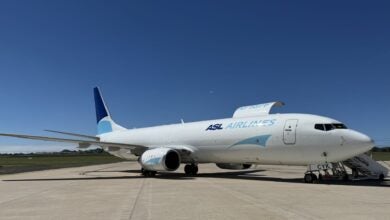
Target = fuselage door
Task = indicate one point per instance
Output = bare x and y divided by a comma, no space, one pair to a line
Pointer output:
289,131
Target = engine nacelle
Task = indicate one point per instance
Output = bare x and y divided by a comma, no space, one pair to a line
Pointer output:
160,159
233,166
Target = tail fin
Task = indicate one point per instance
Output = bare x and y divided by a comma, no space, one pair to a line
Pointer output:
104,122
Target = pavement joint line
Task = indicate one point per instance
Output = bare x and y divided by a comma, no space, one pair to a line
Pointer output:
137,198
150,199
92,171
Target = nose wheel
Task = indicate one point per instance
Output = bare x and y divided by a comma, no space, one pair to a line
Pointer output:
191,169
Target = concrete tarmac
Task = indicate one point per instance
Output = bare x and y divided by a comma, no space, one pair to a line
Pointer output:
117,191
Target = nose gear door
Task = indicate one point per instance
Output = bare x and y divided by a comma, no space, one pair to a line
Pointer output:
289,131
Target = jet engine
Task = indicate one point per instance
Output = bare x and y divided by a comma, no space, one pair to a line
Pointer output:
233,166
160,159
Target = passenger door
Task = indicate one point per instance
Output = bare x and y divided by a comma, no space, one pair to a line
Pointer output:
289,131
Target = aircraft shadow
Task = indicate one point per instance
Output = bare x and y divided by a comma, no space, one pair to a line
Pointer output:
259,177
75,178
161,175
248,175
240,175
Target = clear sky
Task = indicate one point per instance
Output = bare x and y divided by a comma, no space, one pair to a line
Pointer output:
159,61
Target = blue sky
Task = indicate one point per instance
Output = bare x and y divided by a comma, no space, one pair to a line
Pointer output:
159,61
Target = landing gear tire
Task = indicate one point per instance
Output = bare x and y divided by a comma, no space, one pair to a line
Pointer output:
381,177
320,177
195,170
148,173
355,173
310,178
191,169
345,177
187,169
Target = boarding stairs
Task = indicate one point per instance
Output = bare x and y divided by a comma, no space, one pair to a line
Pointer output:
363,164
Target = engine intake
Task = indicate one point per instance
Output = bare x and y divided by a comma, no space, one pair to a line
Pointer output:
160,159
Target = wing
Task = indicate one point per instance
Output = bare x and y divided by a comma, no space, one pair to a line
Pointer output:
81,143
74,134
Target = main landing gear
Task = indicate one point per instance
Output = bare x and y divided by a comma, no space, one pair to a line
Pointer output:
148,173
191,169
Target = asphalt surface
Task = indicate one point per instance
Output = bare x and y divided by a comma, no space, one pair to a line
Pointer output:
117,191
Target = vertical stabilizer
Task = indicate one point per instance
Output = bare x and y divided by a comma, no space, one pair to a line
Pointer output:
105,124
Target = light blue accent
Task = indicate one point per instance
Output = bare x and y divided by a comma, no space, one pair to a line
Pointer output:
153,161
257,140
104,127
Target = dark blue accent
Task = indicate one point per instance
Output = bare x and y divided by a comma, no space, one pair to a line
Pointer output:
214,127
100,109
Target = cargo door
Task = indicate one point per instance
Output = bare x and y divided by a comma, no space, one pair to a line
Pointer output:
290,131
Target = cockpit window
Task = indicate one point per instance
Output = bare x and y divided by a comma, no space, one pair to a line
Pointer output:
319,127
340,126
328,127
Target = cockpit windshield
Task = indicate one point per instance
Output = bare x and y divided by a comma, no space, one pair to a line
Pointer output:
340,126
328,127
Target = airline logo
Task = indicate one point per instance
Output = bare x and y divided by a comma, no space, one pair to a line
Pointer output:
242,124
214,127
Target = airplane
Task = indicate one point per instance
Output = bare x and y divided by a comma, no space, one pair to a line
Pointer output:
252,136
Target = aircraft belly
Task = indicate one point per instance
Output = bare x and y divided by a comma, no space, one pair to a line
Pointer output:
227,156
292,155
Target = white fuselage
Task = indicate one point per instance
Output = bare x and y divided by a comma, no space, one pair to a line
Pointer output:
289,139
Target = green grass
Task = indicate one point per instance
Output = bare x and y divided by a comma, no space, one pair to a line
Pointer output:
384,156
17,164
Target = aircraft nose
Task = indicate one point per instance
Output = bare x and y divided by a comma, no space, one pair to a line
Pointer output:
361,141
362,138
